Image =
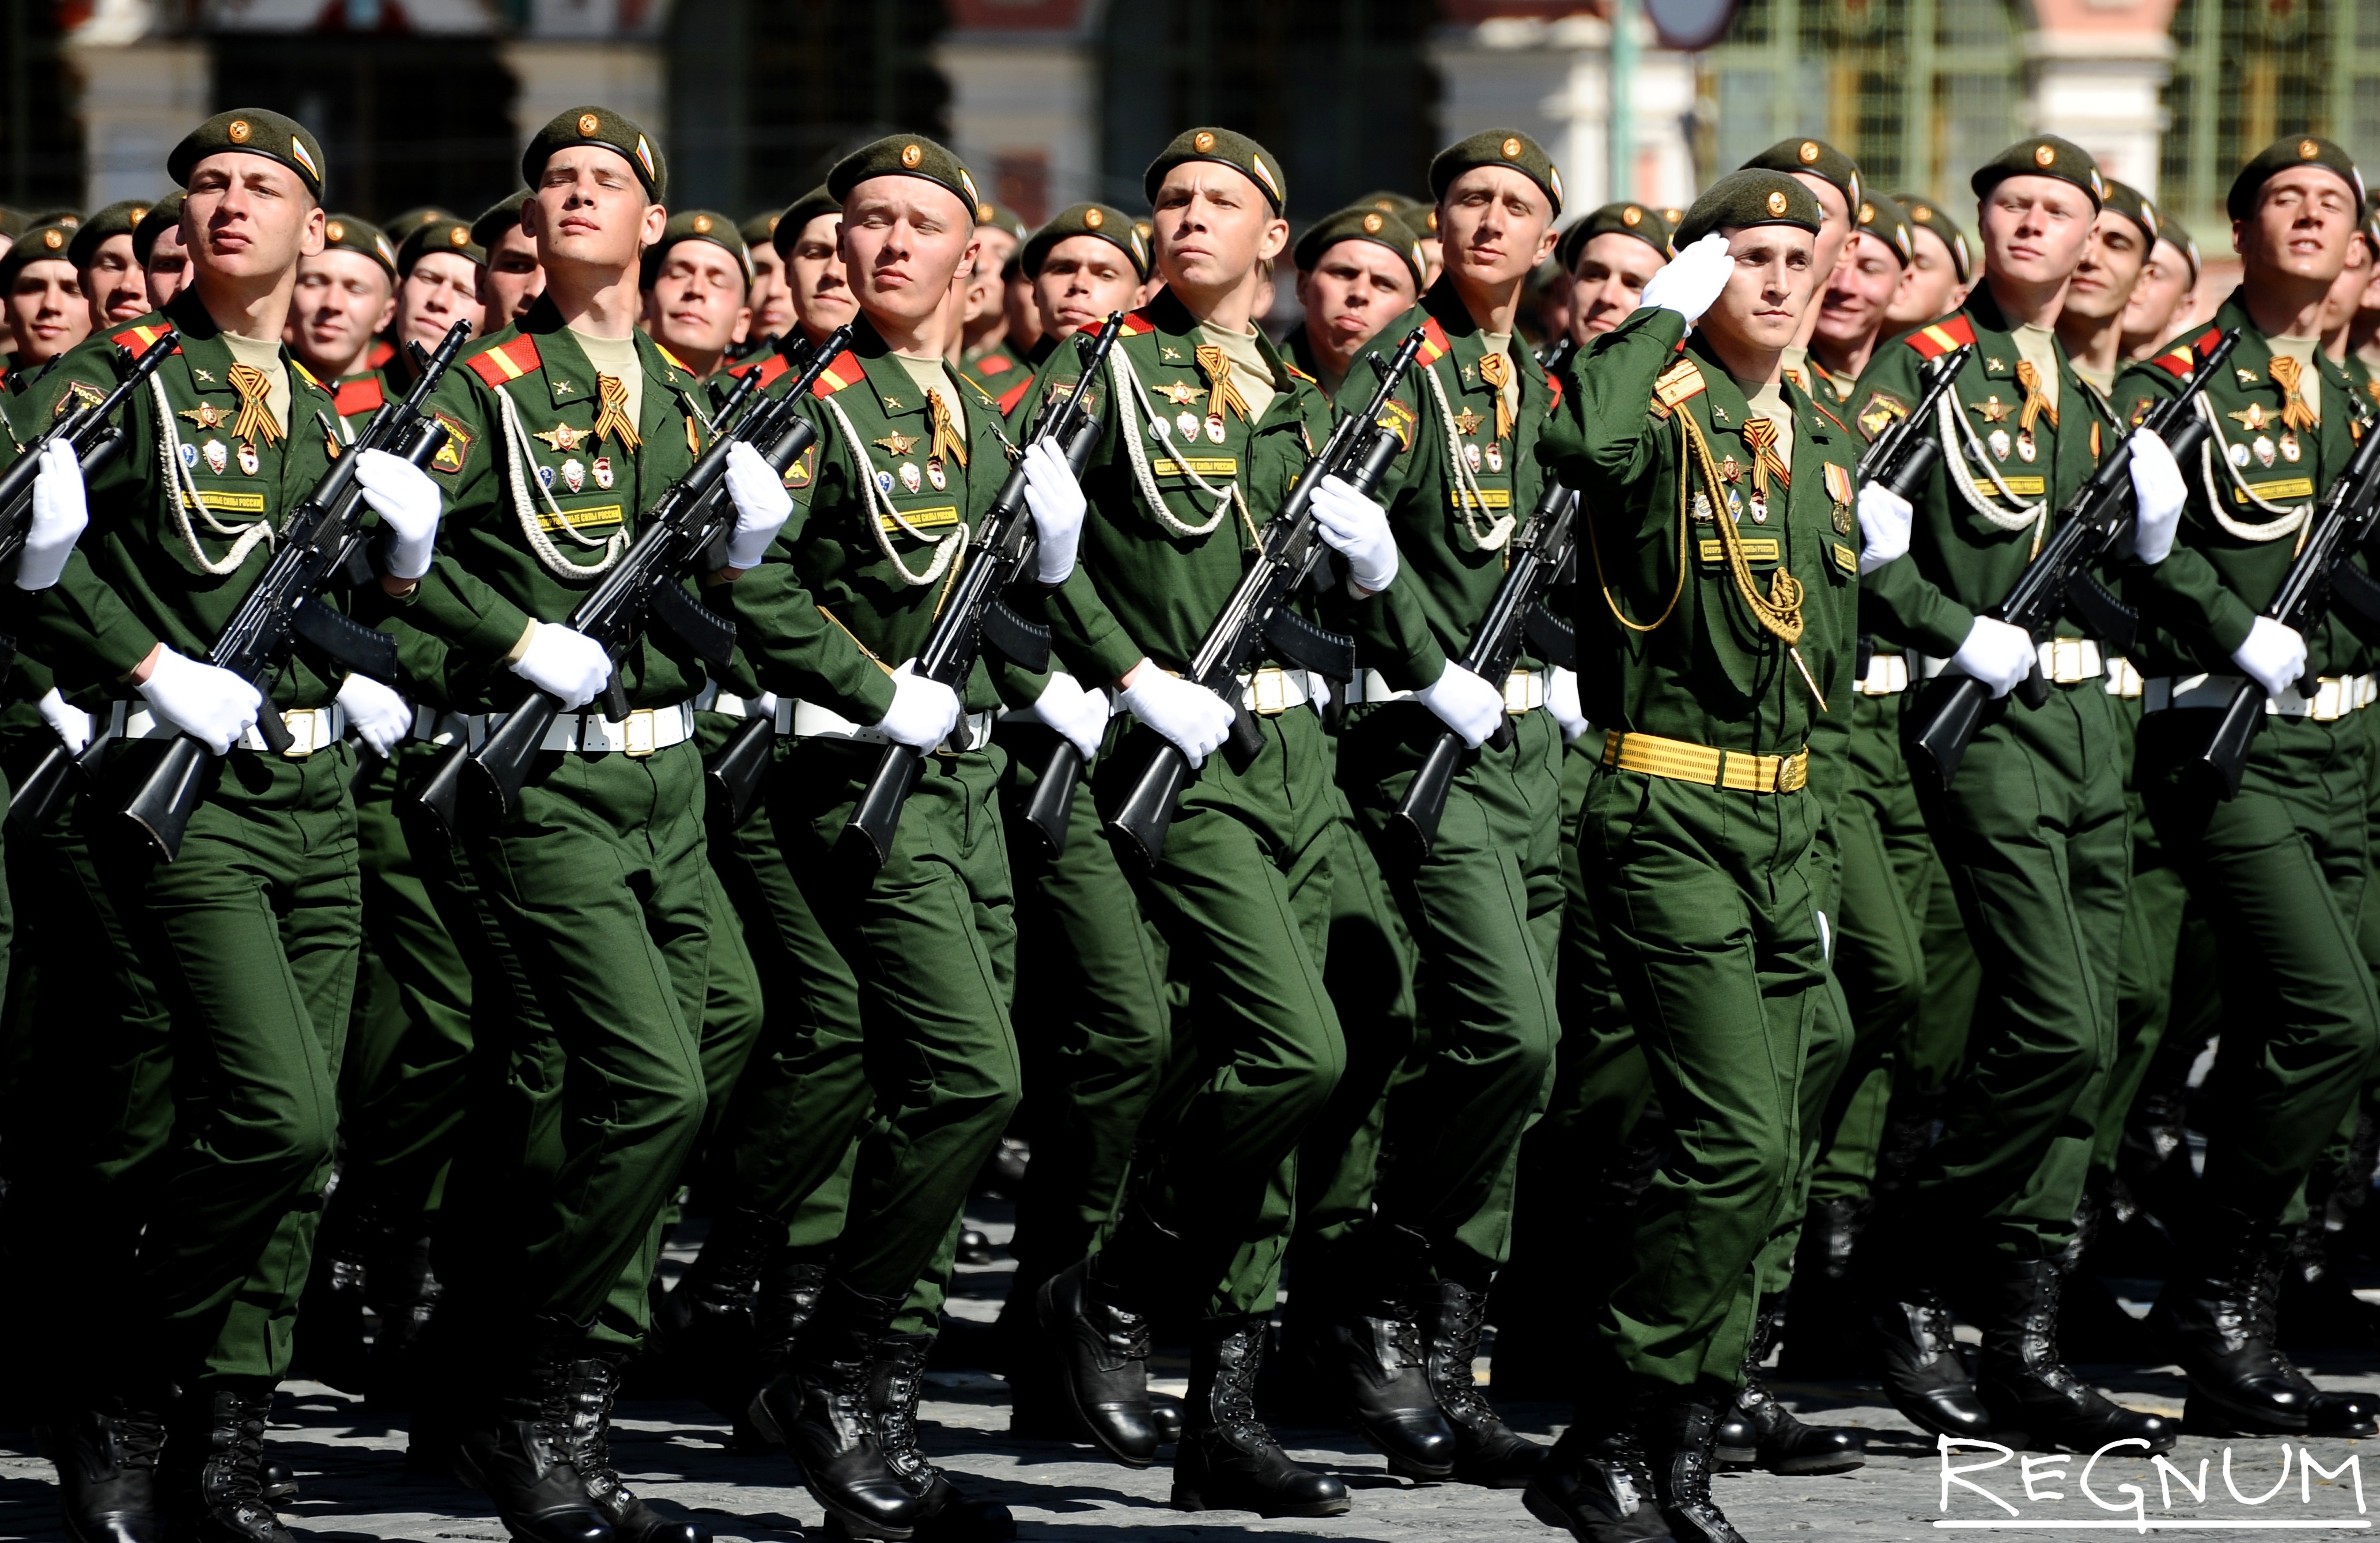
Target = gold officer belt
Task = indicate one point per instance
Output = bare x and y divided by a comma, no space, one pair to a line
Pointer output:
1679,760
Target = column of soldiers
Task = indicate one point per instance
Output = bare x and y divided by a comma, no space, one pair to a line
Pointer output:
1699,962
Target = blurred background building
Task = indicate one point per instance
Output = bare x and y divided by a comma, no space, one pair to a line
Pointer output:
423,101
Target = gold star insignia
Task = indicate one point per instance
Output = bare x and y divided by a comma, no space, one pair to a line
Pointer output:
1993,409
561,438
206,414
2253,418
1167,350
1180,392
1466,422
896,444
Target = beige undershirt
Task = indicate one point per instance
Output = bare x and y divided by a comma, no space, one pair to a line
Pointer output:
1501,343
263,355
1768,401
2038,344
616,356
2103,380
1796,361
935,376
1249,371
2310,377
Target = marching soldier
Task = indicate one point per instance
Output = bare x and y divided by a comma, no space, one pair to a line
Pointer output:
1610,256
438,268
1851,303
2090,322
46,314
697,285
1356,271
772,299
2167,292
109,274
158,247
807,239
513,280
1940,267
1834,180
987,356
347,296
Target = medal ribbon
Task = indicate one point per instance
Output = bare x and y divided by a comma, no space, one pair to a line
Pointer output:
1495,370
2287,373
1760,439
612,417
2035,404
1222,393
946,442
255,424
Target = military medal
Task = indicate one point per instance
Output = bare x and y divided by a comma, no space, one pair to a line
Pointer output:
561,438
218,455
2264,449
2025,448
574,474
1188,424
1466,422
936,475
1215,426
1730,469
2238,455
190,456
883,481
545,477
248,459
1472,453
896,444
1998,440
1180,392
1702,506
1759,509
2289,450
1843,520
1839,488
1496,457
206,414
603,469
1160,431
911,478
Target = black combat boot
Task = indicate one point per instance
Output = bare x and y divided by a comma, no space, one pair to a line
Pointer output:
1595,1484
2217,1319
1829,1338
790,1285
1371,1354
892,1391
1100,1347
1228,1460
1759,1432
519,1454
2027,1389
2352,1414
1925,1375
1487,1451
218,1443
594,1385
401,1288
818,1409
1676,1427
708,1323
106,1459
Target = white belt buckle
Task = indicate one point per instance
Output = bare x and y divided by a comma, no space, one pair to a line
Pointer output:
636,734
1269,692
301,724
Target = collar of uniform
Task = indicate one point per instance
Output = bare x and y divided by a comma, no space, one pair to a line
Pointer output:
1173,319
203,349
2255,350
886,374
1444,305
1995,343
571,377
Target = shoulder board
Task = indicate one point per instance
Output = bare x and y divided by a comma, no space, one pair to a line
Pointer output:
1138,323
1015,394
842,373
1434,344
2181,359
139,338
771,367
1952,331
672,358
383,350
505,362
992,364
362,395
1298,374
1677,383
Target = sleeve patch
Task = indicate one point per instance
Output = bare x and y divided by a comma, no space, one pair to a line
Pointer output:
805,468
456,451
77,394
1400,421
2141,410
1883,411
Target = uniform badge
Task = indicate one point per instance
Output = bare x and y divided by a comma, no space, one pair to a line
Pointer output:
2263,446
2247,378
562,438
1838,483
883,481
574,474
248,459
1702,506
1466,422
911,478
1992,408
602,471
1496,457
895,443
206,414
1188,423
1180,392
1999,441
1719,418
1882,411
936,475
545,477
1215,426
805,467
1730,469
2238,455
77,394
2025,447
2289,450
457,448
1759,507
190,456
1471,452
1843,520
218,455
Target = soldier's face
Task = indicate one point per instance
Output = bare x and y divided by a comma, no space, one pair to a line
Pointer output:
1929,285
169,267
514,278
1612,273
441,289
112,282
2112,260
772,299
821,295
994,247
46,314
903,241
2160,299
343,298
590,213
1082,279
695,306
1213,226
2303,220
2034,229
1354,289
1495,227
1850,307
1776,273
248,218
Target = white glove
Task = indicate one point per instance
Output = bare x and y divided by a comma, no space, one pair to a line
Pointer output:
211,705
1997,654
1468,705
60,512
1080,716
2158,494
924,711
2273,656
1562,700
406,501
1692,281
564,664
1357,528
71,723
1057,503
1194,718
378,714
762,505
1884,526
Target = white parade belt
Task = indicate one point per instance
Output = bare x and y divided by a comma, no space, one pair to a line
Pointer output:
2334,698
1525,690
311,728
816,721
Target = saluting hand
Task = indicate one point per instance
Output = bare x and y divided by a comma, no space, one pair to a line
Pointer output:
1692,281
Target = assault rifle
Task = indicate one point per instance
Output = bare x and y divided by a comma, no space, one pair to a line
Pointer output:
1905,455
90,426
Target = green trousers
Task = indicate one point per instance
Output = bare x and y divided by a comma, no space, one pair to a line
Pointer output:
1241,895
2284,866
2154,909
251,936
1707,910
2031,834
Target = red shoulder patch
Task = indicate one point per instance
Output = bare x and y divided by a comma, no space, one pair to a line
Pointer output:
1138,323
139,338
1554,389
1952,332
1434,344
991,364
506,361
772,366
844,373
361,394
382,352
1013,394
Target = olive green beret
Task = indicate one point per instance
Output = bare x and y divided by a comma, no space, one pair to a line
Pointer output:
1818,158
1640,220
403,221
163,216
1389,202
1749,198
121,218
698,224
2128,200
1882,216
496,219
598,125
454,236
1925,214
759,230
1102,220
2043,155
71,218
348,232
2177,235
999,216
797,216
43,239
13,221
903,155
1233,149
2291,150
257,130
1496,147
1361,223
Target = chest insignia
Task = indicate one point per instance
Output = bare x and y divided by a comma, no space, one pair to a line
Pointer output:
1168,351
561,438
1880,413
248,459
199,374
218,455
574,474
2248,377
1496,458
2253,418
1730,469
206,414
1995,366
1180,392
1993,409
1466,422
602,469
892,403
896,443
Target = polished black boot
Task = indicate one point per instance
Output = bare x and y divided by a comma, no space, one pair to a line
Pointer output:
2027,1389
399,1287
1925,1375
708,1323
893,1391
106,1459
818,1411
1759,1432
2352,1414
1487,1451
220,1434
790,1285
1595,1485
277,1480
1228,1460
1100,1347
1372,1357
1675,1427
594,1385
2216,1319
519,1456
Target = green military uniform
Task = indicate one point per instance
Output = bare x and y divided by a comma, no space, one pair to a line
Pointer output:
998,367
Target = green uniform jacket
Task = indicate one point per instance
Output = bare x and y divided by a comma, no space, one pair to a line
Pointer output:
1696,665
998,370
1446,577
489,582
1960,563
829,614
2198,604
136,579
1140,586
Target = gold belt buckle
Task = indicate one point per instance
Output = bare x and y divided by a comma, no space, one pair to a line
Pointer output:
637,732
1269,692
2324,708
301,722
2065,660
1792,772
